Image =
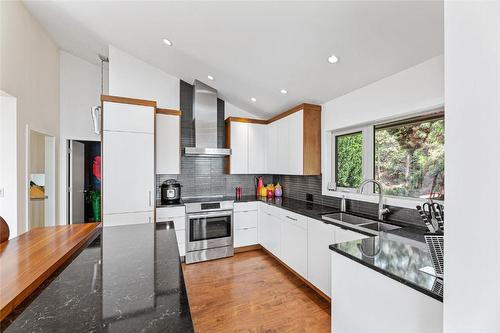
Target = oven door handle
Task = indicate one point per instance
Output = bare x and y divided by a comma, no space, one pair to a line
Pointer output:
211,214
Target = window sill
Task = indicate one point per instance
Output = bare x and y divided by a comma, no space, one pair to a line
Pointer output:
373,198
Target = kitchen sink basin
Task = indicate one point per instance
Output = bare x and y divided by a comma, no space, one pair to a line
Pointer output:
347,218
360,223
380,226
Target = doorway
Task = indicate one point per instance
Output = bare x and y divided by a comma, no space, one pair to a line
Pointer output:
41,180
84,181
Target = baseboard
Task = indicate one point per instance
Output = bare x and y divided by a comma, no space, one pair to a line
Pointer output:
313,287
247,248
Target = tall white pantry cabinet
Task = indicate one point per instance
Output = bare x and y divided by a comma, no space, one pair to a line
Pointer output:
128,161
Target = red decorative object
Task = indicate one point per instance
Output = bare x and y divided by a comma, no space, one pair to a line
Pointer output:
96,167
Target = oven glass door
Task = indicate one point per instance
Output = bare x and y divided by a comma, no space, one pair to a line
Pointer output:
204,227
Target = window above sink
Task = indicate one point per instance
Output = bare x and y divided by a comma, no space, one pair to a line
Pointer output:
406,155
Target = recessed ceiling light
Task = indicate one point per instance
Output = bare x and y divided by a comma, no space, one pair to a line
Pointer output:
253,99
283,91
167,42
333,59
210,77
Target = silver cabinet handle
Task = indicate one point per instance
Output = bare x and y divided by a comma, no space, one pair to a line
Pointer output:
291,218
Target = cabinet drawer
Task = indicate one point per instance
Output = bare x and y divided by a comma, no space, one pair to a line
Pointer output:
167,212
245,237
247,219
179,221
293,218
246,206
111,220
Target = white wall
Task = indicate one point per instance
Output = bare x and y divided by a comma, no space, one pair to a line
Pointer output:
472,239
8,161
132,77
30,72
80,90
233,111
415,89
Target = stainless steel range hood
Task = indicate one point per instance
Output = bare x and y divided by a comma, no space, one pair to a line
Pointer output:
205,123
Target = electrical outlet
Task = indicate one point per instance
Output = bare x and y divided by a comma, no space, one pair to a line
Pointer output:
309,197
2,192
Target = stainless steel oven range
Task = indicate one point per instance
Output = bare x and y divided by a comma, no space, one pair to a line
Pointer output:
209,229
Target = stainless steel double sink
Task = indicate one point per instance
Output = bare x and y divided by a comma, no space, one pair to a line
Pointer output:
360,223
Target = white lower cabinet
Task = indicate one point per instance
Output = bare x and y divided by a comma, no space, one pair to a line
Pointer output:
357,289
177,215
127,218
245,228
271,232
294,243
319,236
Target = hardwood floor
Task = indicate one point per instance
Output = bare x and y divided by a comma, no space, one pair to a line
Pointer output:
252,292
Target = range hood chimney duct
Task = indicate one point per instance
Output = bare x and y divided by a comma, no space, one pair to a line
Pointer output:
205,123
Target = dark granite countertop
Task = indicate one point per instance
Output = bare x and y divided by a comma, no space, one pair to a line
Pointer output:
397,257
129,279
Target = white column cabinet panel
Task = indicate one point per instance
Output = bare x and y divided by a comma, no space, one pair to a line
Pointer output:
257,143
168,144
128,117
128,173
296,143
239,148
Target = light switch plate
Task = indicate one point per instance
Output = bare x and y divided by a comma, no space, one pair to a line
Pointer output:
2,192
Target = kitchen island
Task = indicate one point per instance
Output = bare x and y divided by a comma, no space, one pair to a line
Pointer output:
382,278
128,279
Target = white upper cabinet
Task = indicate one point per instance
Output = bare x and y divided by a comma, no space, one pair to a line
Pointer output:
257,141
273,148
128,117
296,143
168,144
288,144
239,148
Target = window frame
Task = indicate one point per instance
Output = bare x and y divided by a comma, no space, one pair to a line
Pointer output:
368,130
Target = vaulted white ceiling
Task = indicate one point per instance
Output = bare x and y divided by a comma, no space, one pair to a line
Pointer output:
254,49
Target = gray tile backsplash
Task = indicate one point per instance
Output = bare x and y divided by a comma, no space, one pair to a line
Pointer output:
203,176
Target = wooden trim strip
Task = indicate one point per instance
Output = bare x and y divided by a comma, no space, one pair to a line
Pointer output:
303,106
319,292
247,248
127,100
247,120
29,259
171,112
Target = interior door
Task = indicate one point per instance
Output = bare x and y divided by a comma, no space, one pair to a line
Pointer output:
77,182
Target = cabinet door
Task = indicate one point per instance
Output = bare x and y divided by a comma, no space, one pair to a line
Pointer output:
257,143
128,117
273,147
320,236
128,172
283,159
167,144
239,148
275,235
296,143
294,247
